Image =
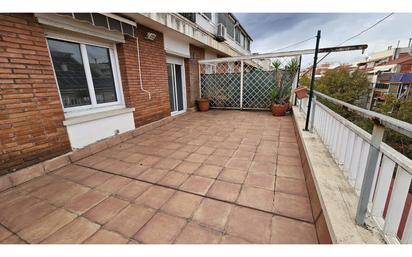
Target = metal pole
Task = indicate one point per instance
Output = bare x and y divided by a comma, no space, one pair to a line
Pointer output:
312,117
285,54
241,84
297,83
312,81
200,80
373,155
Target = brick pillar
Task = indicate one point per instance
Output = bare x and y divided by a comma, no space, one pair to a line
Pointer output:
31,114
192,74
154,76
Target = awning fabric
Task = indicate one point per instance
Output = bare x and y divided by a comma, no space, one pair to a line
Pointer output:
401,78
107,21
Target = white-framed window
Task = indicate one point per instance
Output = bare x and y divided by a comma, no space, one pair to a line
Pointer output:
229,23
242,40
237,34
247,42
87,75
210,68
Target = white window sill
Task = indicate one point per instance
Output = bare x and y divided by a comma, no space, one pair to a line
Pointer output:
96,116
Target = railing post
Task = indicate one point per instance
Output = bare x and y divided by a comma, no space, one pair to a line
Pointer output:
241,84
370,169
312,117
200,79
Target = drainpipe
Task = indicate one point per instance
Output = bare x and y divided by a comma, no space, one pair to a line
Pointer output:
410,45
396,52
140,70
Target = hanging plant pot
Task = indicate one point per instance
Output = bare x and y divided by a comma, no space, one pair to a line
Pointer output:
203,104
301,92
279,109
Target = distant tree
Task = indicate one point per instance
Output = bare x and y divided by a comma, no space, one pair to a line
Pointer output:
348,86
399,109
389,106
405,110
304,81
344,85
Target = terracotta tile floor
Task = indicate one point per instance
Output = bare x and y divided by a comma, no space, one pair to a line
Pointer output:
216,177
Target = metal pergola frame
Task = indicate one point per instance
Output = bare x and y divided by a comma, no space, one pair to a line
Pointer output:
285,54
294,53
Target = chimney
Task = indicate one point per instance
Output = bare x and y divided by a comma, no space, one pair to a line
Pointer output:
410,45
396,52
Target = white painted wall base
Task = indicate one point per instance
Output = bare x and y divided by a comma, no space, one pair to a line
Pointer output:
91,129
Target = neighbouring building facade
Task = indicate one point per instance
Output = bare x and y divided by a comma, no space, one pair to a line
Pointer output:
71,79
388,73
321,69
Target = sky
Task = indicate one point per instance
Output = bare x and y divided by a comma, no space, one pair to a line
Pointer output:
271,31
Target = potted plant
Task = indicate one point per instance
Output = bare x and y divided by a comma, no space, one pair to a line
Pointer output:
292,69
280,100
278,75
280,93
203,104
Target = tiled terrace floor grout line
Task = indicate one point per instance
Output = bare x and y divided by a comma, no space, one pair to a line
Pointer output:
180,190
188,221
12,234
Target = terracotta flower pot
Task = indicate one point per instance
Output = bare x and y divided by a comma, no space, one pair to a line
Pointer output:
279,109
301,92
203,105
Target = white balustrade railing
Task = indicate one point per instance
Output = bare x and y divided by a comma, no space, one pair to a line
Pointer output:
353,150
303,104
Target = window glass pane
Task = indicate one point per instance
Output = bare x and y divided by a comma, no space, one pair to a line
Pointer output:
114,24
242,40
127,29
70,74
83,17
100,20
208,15
102,74
237,34
227,22
179,86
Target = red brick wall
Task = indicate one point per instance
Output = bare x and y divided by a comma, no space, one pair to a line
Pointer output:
406,68
192,74
154,76
31,115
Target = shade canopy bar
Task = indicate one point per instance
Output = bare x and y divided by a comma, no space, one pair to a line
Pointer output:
108,21
285,54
